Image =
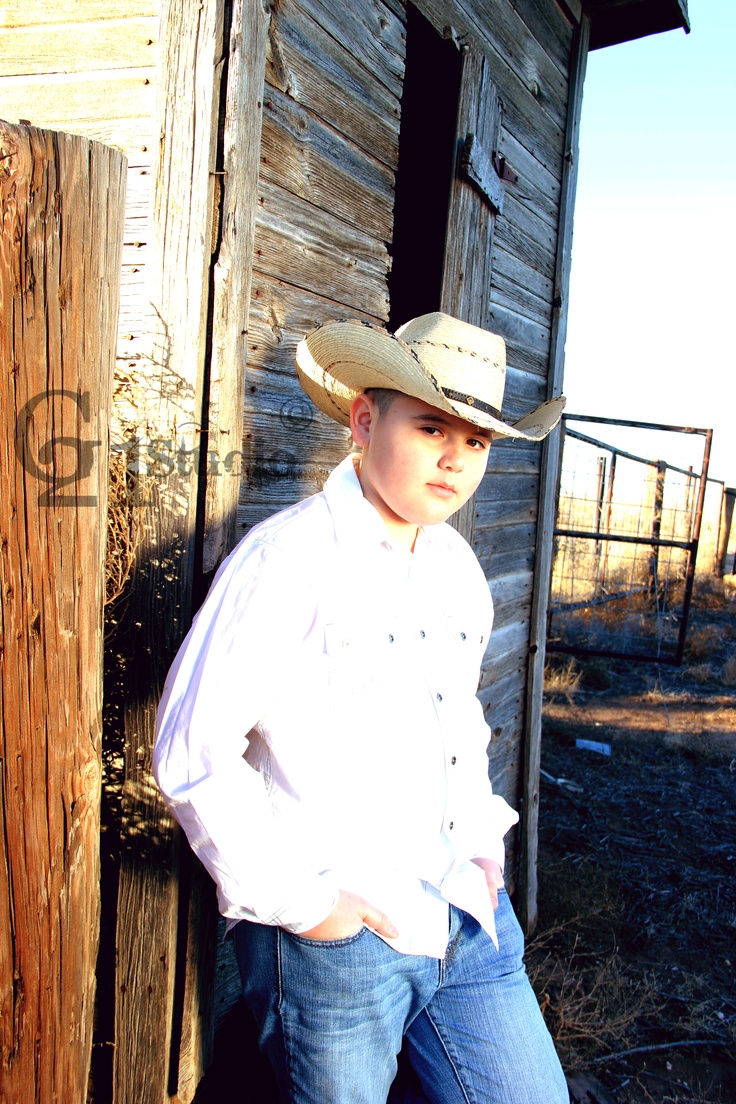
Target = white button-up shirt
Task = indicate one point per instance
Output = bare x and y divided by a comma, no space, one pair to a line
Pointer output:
319,729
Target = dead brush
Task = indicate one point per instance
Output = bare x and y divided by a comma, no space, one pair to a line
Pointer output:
703,642
701,672
590,1003
563,681
124,532
710,592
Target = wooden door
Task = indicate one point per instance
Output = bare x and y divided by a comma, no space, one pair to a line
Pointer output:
476,196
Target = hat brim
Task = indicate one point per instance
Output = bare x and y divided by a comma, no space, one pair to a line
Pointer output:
339,360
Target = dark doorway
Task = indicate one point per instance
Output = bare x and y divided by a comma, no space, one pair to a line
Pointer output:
427,149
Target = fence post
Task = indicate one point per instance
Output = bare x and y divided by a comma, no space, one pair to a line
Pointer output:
652,583
61,205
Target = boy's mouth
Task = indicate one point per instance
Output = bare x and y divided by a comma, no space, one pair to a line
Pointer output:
445,490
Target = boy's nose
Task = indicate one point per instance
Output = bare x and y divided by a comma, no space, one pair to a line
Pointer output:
452,458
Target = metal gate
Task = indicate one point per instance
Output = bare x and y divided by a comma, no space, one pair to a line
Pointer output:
625,542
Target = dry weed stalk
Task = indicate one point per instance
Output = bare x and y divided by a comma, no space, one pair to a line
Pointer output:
124,531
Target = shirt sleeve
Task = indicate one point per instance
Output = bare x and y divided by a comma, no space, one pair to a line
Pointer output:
234,659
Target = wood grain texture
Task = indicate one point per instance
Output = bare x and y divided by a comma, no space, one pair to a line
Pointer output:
153,988
323,74
466,276
61,206
75,47
233,270
548,496
308,158
315,251
39,13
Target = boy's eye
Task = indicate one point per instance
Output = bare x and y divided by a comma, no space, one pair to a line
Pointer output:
477,443
431,430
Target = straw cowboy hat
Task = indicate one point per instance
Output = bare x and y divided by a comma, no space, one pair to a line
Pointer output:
449,364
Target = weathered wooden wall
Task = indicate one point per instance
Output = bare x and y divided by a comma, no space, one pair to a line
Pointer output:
61,217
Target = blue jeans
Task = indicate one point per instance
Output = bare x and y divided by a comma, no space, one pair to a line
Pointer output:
333,1015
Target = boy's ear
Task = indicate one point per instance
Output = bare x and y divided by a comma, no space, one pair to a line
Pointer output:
363,413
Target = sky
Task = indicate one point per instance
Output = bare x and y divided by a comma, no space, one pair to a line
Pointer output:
652,310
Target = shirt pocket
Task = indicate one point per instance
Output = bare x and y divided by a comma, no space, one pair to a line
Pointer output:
358,657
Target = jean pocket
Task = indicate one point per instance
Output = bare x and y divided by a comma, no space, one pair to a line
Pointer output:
346,941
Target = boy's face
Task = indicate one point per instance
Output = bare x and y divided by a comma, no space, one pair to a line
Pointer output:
419,464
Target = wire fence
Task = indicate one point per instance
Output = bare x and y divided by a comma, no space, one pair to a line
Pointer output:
624,547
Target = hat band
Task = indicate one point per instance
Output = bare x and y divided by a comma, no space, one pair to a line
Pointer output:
470,400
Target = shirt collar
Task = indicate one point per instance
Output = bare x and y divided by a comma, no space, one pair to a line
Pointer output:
354,518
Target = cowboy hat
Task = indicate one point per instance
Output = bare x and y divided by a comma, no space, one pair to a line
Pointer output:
449,364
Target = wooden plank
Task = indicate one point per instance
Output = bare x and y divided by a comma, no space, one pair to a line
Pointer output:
516,328
507,548
233,268
509,487
519,281
550,26
377,36
71,48
40,13
281,314
61,204
150,908
511,455
503,702
510,591
547,498
309,159
60,101
320,253
538,186
524,234
507,653
294,430
262,498
323,75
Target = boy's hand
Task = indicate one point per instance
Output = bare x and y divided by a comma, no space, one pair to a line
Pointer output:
494,877
349,915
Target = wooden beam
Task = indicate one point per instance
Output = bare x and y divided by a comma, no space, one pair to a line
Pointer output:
152,905
527,881
233,271
62,210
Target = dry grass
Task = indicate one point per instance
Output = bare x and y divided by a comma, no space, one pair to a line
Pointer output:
703,641
562,680
590,1002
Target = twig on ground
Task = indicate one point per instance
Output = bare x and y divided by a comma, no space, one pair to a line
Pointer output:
656,1046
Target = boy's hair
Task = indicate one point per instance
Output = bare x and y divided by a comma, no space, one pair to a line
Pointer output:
383,397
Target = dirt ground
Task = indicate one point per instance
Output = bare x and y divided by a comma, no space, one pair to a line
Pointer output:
633,958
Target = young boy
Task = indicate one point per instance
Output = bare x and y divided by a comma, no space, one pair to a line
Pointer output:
321,743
